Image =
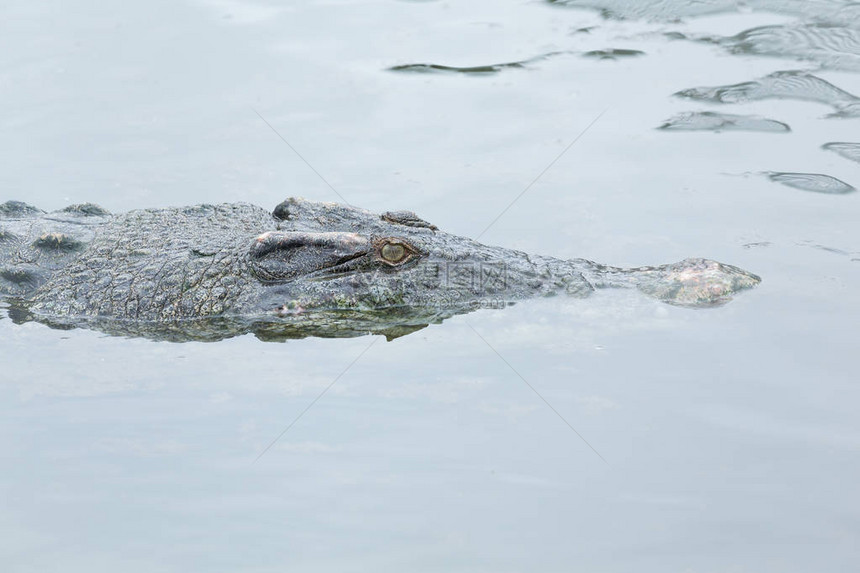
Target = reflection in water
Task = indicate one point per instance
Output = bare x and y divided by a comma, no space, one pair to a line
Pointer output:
712,121
815,182
391,323
797,85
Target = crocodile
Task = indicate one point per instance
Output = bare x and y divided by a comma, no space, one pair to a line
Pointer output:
209,272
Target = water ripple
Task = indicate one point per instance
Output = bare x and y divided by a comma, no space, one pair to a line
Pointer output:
797,85
711,121
842,12
430,68
815,182
612,54
829,45
845,149
666,10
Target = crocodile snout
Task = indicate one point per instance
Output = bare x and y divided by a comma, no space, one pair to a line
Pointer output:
695,282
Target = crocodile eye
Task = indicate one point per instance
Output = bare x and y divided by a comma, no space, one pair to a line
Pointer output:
392,252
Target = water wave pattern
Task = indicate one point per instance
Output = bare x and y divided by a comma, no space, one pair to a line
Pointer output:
828,45
845,149
847,15
613,54
664,10
712,121
815,182
430,68
841,12
853,255
796,85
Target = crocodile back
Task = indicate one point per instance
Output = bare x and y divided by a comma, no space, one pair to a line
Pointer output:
158,265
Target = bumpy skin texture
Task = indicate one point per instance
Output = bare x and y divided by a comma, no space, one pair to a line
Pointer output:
306,269
159,265
34,245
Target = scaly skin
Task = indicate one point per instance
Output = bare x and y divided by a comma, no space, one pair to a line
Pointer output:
208,272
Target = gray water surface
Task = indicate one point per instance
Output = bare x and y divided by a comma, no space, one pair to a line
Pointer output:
730,435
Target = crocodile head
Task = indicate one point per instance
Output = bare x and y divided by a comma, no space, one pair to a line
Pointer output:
325,256
305,269
331,256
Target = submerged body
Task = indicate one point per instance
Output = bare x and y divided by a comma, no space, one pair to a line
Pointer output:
307,268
